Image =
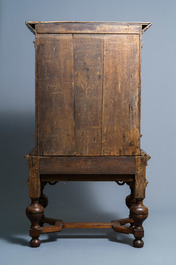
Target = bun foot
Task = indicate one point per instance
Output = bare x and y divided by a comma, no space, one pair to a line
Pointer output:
138,212
35,213
35,243
138,243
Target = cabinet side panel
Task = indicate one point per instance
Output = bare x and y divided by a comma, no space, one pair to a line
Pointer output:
121,95
55,94
88,74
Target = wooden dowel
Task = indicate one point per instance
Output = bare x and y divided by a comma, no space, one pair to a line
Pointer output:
87,225
50,229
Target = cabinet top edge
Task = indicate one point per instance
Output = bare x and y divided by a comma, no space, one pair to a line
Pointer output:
50,27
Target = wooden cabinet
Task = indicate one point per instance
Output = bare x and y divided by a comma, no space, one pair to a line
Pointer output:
88,97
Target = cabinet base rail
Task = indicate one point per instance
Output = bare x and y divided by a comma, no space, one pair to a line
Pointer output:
56,225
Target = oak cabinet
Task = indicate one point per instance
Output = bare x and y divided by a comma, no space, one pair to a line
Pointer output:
88,101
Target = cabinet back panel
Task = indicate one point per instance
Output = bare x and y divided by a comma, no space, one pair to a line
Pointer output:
87,94
55,95
88,62
121,96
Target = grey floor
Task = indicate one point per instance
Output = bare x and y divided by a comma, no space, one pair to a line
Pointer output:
95,246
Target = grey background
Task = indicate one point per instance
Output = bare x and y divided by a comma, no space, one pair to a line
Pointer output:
87,201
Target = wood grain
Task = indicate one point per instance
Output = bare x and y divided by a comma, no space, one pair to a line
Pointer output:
87,165
55,95
34,177
91,92
121,96
140,177
92,27
87,225
49,27
88,78
88,71
50,229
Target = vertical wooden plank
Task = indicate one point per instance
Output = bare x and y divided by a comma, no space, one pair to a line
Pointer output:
140,177
34,177
55,94
121,95
88,67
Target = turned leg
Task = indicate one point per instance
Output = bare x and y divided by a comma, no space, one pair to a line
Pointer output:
35,213
43,201
130,199
138,212
43,198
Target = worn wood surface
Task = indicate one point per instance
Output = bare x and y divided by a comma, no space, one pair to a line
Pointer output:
87,94
140,177
121,96
34,177
87,165
87,117
87,27
88,72
55,95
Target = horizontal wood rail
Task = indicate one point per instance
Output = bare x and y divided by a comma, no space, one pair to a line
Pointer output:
58,225
87,225
86,177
